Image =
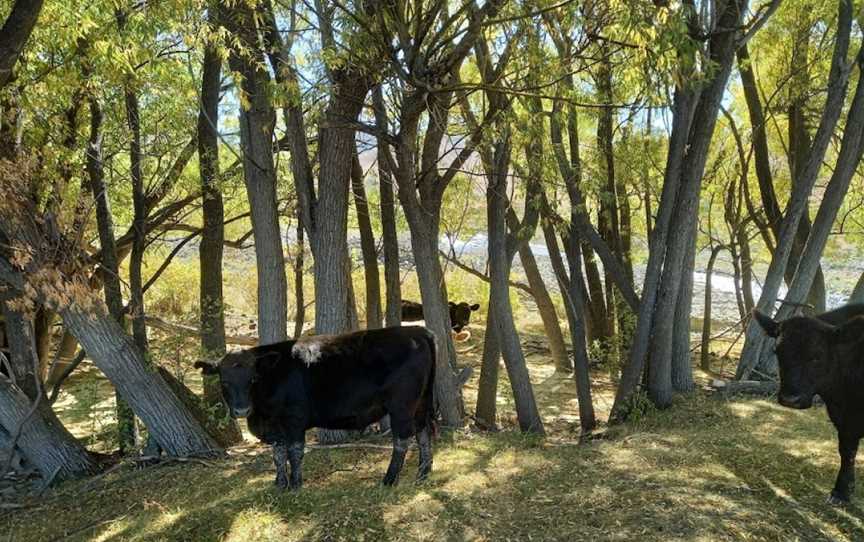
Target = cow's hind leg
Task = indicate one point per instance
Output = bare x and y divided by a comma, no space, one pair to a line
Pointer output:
424,442
845,484
402,432
295,457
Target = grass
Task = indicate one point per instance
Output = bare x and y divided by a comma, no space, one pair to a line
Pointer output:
707,469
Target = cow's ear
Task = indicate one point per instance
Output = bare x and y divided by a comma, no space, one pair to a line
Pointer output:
852,331
768,324
207,368
475,307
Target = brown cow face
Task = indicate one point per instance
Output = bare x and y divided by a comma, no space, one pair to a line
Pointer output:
237,375
803,349
460,314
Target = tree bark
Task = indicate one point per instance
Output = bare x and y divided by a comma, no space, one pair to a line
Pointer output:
546,308
499,273
43,440
167,419
393,305
705,354
14,34
374,318
257,119
210,252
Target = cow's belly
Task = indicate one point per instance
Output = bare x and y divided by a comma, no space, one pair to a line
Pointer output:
350,419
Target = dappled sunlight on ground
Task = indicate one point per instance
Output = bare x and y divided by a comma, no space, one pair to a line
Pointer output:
709,468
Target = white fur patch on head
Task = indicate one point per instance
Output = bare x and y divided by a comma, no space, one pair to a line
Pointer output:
309,351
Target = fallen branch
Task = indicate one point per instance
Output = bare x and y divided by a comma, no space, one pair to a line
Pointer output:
183,329
480,275
746,387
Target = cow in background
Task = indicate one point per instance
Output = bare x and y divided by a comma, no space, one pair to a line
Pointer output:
460,313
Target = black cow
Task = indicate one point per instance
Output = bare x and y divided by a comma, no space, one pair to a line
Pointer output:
825,356
335,382
460,313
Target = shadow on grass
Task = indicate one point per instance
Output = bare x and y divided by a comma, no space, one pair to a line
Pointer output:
707,469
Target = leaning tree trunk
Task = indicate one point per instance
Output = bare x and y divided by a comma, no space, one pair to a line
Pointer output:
848,159
576,316
167,419
43,440
110,274
374,318
546,308
755,343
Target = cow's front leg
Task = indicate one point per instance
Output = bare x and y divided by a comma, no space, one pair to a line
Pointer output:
400,447
295,457
845,484
280,458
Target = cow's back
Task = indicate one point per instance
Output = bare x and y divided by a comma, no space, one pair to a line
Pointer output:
841,315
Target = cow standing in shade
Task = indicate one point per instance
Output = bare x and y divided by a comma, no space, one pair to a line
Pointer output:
460,313
824,355
334,382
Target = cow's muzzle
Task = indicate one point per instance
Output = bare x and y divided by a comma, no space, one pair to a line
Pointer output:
799,402
241,412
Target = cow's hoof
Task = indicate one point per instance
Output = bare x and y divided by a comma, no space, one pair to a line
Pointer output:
835,499
281,484
389,481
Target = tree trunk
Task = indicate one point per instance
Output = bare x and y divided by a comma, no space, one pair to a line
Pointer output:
374,318
573,301
257,119
211,301
167,419
110,274
393,309
546,308
43,440
14,34
682,361
337,148
486,410
838,78
299,272
499,297
705,354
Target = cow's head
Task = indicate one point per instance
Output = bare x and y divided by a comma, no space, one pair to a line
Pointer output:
460,314
805,349
237,375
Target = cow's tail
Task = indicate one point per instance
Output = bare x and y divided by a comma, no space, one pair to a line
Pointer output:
429,394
